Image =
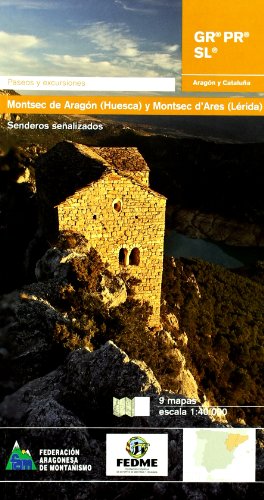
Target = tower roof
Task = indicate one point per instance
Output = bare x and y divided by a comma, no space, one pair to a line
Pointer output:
68,167
123,159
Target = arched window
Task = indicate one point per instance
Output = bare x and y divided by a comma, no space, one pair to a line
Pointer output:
134,257
123,254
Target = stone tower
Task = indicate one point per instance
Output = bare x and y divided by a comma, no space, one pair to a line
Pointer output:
103,193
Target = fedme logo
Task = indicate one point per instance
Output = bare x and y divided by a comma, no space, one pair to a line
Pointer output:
148,455
137,447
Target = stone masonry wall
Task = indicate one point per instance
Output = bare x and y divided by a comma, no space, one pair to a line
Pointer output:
115,213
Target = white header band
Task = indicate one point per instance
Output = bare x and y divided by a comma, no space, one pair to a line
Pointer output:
87,84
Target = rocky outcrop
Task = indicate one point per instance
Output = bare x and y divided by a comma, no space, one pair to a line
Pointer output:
211,226
81,391
28,349
185,380
109,296
55,263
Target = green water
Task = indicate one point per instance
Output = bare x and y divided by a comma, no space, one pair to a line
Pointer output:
179,245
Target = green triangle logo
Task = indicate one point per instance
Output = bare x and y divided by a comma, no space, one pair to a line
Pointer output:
20,459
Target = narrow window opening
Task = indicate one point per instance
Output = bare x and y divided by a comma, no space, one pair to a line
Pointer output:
134,257
94,216
123,253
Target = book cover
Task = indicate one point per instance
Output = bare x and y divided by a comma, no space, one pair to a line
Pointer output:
132,248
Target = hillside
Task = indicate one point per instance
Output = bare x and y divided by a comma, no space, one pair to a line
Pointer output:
222,314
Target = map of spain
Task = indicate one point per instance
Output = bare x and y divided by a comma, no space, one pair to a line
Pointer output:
224,443
223,454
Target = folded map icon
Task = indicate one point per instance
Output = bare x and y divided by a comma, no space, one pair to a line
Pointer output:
135,407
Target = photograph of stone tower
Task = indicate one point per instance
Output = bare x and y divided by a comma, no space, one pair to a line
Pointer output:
103,193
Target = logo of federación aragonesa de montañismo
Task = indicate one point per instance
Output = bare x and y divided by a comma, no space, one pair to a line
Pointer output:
20,459
137,447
